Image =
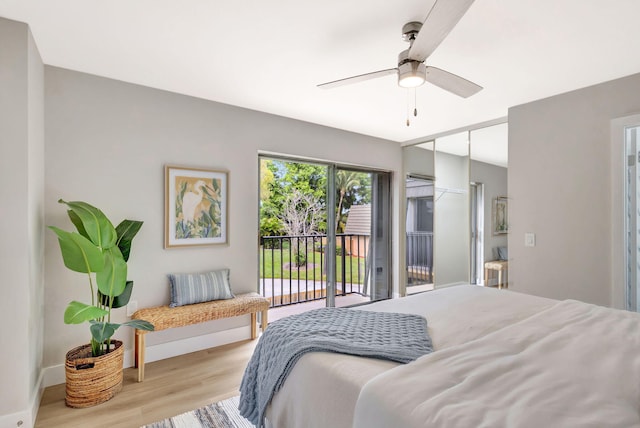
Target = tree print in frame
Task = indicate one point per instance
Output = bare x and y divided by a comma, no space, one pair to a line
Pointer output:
195,207
500,215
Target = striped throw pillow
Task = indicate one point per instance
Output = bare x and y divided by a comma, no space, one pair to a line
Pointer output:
189,288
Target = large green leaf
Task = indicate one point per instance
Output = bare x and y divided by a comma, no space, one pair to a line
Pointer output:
78,253
140,325
102,331
113,278
77,313
96,225
77,222
120,300
126,231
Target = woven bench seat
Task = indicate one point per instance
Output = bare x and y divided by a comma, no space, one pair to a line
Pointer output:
164,317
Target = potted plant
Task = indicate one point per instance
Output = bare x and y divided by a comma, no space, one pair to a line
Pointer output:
94,371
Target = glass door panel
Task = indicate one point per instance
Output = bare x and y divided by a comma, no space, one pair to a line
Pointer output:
293,232
362,225
381,237
324,234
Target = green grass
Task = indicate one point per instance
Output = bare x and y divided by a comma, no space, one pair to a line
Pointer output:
272,265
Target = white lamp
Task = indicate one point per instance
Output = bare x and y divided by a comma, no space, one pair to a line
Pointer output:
411,74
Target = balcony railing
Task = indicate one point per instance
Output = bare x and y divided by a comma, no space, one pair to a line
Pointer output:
293,268
419,258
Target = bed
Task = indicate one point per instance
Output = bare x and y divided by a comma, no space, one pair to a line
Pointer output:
501,358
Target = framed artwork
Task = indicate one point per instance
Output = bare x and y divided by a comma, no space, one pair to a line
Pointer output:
500,216
196,205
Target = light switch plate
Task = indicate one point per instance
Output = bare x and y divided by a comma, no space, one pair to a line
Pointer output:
529,239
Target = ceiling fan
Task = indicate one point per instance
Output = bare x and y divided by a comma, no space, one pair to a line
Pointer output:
423,39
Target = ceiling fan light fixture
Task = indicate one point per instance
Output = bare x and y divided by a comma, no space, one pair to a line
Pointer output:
411,74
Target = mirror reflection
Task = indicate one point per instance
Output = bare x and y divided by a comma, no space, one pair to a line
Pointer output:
419,217
453,185
451,204
489,205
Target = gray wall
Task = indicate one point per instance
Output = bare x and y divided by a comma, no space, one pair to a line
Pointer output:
559,187
107,144
21,248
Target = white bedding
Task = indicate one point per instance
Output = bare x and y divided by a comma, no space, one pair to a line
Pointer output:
572,365
322,389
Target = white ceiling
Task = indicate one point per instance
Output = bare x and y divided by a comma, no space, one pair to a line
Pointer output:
269,55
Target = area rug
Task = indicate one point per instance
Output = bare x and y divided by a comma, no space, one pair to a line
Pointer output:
223,414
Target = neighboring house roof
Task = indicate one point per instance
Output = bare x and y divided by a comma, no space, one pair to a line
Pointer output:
359,220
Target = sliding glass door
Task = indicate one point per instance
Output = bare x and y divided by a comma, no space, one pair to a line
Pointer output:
324,233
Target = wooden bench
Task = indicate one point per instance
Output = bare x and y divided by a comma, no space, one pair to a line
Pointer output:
164,317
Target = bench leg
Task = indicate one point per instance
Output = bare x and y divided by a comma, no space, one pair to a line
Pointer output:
139,354
136,349
263,324
254,332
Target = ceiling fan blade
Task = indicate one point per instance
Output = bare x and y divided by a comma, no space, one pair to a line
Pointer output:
359,78
451,82
443,16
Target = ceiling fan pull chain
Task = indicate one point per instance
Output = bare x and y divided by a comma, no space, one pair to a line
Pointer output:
408,108
415,104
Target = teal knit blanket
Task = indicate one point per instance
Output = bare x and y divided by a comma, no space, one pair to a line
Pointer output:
384,335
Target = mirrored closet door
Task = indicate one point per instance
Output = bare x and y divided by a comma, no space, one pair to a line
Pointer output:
451,205
451,185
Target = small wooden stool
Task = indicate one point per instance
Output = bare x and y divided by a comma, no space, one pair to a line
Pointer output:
499,266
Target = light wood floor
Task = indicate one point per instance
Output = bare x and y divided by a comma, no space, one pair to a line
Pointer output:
172,386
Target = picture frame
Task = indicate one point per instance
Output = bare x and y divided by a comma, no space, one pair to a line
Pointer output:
500,217
196,206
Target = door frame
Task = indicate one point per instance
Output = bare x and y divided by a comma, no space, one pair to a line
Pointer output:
618,218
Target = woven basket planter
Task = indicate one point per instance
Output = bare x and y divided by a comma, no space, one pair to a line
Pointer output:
93,380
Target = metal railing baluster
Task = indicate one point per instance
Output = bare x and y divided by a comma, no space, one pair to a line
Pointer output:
299,250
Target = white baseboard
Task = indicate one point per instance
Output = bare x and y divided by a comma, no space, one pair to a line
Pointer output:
190,344
451,284
54,375
27,417
17,420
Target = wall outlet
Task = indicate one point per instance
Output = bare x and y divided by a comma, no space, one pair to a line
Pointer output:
132,307
529,239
